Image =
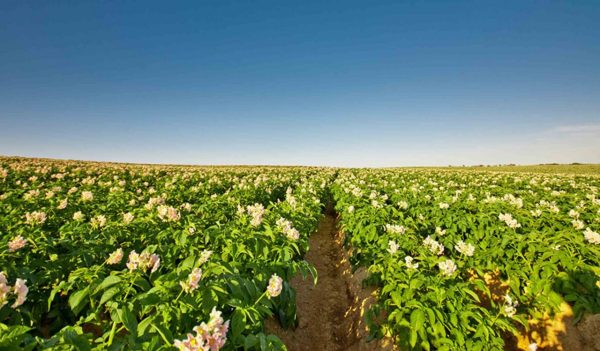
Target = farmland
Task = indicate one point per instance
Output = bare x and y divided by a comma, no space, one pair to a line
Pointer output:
115,256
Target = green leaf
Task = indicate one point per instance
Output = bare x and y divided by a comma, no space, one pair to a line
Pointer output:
128,319
108,282
78,300
74,337
417,319
109,294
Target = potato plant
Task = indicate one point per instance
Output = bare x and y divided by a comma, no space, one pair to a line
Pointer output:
462,258
102,256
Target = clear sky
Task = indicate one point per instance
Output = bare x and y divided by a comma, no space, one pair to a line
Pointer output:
344,83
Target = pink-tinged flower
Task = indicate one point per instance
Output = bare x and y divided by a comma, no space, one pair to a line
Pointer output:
35,217
133,261
17,243
192,282
275,285
168,213
4,290
154,262
115,257
87,196
143,261
209,336
62,204
21,291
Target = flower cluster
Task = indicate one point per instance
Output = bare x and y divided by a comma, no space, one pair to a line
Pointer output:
204,256
392,247
209,336
128,218
509,220
98,221
192,281
168,213
143,261
287,229
275,285
35,217
591,236
115,257
394,229
78,216
578,224
510,308
409,262
448,267
433,246
62,204
464,248
257,212
17,243
87,196
19,290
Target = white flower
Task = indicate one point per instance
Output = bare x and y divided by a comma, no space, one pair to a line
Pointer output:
350,209
392,247
204,256
573,214
275,286
409,263
433,246
78,216
257,212
447,267
532,347
510,308
464,248
509,220
440,231
591,236
127,217
444,205
394,229
87,196
578,224
99,221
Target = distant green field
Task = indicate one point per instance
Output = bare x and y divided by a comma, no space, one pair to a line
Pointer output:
591,169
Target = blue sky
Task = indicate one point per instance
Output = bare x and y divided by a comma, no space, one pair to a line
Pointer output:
352,83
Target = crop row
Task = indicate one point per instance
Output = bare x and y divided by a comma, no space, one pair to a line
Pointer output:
100,256
461,259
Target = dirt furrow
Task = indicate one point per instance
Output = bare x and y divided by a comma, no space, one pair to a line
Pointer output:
330,313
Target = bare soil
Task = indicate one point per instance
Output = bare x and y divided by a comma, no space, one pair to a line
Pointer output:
330,314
